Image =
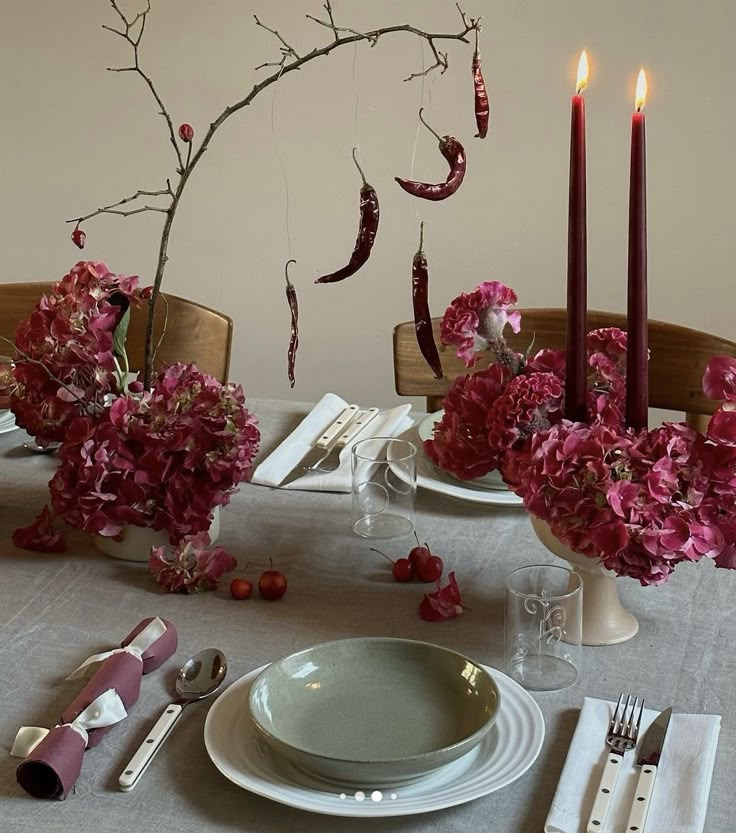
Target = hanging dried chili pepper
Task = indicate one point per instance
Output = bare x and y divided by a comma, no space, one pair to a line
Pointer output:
294,309
454,152
482,107
369,216
422,317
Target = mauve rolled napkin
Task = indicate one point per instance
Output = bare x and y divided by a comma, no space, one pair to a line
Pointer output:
52,765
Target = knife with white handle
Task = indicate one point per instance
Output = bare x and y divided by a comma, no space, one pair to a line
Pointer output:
332,461
648,760
324,444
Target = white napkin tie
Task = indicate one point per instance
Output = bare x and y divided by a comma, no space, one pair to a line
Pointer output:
137,646
105,710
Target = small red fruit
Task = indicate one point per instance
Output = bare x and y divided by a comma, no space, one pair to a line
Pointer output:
272,584
186,133
402,570
431,569
419,554
79,238
241,588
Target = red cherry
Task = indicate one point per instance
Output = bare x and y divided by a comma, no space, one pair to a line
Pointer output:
186,133
419,554
272,584
79,238
241,588
431,569
402,570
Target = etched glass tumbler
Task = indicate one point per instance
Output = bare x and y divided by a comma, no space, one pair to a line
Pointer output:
384,485
543,627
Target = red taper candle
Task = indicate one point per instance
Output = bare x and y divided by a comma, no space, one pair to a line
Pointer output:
576,372
637,351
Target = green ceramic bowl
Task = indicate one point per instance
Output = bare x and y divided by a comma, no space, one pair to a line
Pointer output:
373,712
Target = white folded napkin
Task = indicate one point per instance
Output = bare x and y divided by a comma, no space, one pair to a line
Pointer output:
279,463
681,790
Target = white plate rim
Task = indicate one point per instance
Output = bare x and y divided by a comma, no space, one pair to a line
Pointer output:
369,809
428,477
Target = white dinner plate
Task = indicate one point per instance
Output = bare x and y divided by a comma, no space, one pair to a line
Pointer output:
434,479
506,753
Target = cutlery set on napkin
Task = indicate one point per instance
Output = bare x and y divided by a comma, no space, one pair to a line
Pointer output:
316,455
611,791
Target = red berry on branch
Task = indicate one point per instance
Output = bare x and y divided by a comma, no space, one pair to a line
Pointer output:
79,237
186,133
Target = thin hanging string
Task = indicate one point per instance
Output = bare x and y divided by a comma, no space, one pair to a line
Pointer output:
357,102
281,161
419,124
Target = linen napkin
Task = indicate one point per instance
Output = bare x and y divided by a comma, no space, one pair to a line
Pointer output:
279,463
680,798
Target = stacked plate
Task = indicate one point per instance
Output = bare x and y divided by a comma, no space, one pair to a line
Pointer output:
7,421
374,727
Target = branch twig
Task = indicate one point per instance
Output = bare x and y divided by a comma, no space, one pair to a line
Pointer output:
129,35
109,209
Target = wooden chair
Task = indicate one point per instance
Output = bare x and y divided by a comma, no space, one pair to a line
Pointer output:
194,333
678,357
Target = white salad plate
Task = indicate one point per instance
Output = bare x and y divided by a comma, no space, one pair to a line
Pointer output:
434,479
505,754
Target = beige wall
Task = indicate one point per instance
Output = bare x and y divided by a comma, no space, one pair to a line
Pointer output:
75,136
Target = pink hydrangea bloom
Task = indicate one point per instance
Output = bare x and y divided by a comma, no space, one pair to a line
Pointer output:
475,321
65,363
162,460
191,567
460,442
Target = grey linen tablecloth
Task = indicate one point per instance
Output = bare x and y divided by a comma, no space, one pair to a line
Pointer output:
55,610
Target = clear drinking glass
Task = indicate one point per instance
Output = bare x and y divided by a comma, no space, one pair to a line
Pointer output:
384,485
543,627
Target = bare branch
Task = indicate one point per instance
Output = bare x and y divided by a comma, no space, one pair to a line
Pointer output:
51,376
287,50
134,40
110,209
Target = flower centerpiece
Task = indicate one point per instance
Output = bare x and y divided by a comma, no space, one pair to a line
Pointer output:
638,503
161,458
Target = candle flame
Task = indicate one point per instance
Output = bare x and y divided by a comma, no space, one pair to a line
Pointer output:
641,90
582,72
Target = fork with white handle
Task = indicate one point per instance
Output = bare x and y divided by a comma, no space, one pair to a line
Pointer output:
332,461
622,735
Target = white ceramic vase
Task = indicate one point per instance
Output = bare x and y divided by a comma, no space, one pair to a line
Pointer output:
605,620
136,541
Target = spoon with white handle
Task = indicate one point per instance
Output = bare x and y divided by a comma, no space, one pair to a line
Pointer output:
200,676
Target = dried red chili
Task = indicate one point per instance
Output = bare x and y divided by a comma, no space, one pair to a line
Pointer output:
422,317
294,309
454,152
482,107
369,216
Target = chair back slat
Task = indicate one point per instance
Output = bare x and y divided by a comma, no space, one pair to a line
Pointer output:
192,332
678,357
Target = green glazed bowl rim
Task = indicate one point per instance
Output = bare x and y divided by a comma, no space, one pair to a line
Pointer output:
467,740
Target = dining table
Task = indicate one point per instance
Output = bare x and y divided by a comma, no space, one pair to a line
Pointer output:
57,609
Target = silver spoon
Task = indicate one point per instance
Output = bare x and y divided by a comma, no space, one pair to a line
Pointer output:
200,676
41,449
